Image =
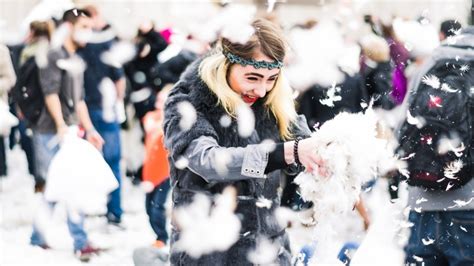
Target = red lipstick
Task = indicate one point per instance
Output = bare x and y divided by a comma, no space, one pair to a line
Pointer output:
249,100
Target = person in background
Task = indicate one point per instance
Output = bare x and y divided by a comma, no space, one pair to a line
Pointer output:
64,106
36,44
170,70
142,70
156,169
377,71
441,201
143,76
449,28
7,80
399,57
104,92
99,24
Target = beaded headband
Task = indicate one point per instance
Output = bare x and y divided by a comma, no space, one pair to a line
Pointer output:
235,59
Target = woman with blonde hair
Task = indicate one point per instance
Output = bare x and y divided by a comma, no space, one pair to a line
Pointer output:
231,78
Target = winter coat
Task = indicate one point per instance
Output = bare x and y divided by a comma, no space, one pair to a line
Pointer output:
155,165
148,64
378,82
352,94
170,70
400,57
245,171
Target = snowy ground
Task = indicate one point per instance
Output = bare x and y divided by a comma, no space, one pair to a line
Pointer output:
18,202
383,245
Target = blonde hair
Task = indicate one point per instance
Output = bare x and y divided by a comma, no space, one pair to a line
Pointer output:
213,71
376,48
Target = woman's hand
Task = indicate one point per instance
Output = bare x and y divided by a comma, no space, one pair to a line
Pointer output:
309,159
306,155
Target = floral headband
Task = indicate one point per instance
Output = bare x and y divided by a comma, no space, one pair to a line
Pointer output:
235,59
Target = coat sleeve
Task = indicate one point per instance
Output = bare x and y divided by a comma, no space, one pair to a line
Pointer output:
199,145
215,163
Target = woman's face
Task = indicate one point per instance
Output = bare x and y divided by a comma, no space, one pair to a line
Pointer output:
251,83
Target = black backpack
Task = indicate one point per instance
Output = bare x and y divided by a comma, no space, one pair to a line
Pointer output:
27,93
448,113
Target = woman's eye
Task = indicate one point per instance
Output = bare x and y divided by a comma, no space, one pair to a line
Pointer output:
252,79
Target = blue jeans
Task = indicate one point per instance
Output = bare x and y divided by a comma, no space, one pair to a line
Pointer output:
155,208
110,132
76,229
44,154
453,235
26,142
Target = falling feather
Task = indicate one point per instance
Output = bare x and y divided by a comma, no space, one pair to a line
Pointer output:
431,80
452,169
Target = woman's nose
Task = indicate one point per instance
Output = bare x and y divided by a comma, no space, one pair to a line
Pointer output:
260,91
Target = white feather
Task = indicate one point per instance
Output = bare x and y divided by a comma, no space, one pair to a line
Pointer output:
418,121
205,227
452,169
188,115
352,155
431,80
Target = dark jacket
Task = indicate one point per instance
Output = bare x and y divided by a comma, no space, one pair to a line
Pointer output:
170,70
352,93
378,82
148,64
255,221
